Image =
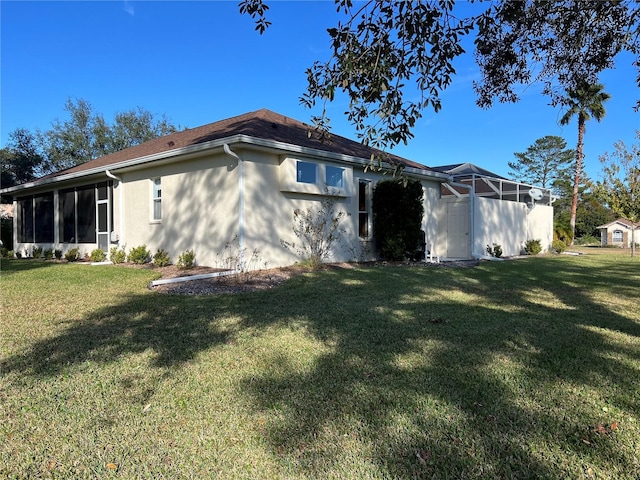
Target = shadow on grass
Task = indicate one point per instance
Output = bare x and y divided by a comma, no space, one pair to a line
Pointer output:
426,380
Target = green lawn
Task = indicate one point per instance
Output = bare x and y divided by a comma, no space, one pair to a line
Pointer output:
519,369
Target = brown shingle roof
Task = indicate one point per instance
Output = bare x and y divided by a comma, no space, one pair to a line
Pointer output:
263,124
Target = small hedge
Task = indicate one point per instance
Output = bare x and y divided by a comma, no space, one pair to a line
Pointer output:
186,259
139,255
558,246
532,247
161,258
72,255
98,255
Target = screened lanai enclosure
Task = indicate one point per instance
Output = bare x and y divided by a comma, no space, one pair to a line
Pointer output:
71,216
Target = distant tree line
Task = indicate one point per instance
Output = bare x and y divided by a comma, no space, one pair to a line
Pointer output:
83,136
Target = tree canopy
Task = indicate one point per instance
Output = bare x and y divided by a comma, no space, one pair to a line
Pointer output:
393,59
620,186
82,136
545,163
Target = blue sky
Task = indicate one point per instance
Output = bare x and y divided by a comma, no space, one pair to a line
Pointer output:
199,62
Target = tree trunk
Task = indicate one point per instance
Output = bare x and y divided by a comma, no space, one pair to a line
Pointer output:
633,240
576,179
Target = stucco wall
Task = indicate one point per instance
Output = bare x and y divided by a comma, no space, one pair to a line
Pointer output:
199,207
510,224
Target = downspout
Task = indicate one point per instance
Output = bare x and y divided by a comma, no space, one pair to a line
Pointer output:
231,153
120,206
472,195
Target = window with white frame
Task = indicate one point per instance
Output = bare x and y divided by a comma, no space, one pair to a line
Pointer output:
334,177
156,199
617,236
305,172
364,210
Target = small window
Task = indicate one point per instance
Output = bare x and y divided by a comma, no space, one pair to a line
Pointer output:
335,177
157,199
617,236
306,172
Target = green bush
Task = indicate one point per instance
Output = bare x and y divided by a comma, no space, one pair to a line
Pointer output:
4,252
36,252
48,254
139,255
161,258
587,240
532,247
186,259
397,218
98,255
10,254
57,253
72,255
6,232
495,250
558,246
117,255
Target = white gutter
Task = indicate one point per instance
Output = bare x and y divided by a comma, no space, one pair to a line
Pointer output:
166,281
231,153
120,207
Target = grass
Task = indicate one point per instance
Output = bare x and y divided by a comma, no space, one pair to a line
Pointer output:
522,369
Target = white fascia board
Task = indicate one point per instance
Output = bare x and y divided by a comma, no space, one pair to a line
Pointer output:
213,144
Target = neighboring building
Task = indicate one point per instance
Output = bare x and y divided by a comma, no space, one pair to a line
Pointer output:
238,181
618,233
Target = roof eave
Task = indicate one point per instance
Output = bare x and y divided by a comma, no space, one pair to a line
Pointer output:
239,139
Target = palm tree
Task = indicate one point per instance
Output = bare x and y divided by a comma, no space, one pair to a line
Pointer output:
586,102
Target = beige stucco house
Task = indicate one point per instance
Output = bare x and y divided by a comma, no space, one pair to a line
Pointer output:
619,233
237,182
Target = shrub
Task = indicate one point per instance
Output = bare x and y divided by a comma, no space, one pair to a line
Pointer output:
98,255
558,246
36,252
397,218
317,230
4,252
587,240
117,255
139,255
532,247
57,253
161,258
72,255
10,254
186,259
495,250
48,254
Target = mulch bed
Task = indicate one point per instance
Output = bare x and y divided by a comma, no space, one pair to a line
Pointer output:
263,279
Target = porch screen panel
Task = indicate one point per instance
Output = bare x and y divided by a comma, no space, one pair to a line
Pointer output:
44,218
67,200
86,209
25,219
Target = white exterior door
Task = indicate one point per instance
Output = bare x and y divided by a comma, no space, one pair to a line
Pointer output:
458,230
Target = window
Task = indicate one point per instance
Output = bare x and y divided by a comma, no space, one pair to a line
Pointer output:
86,214
25,219
335,177
306,172
157,199
364,189
43,216
617,236
78,219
